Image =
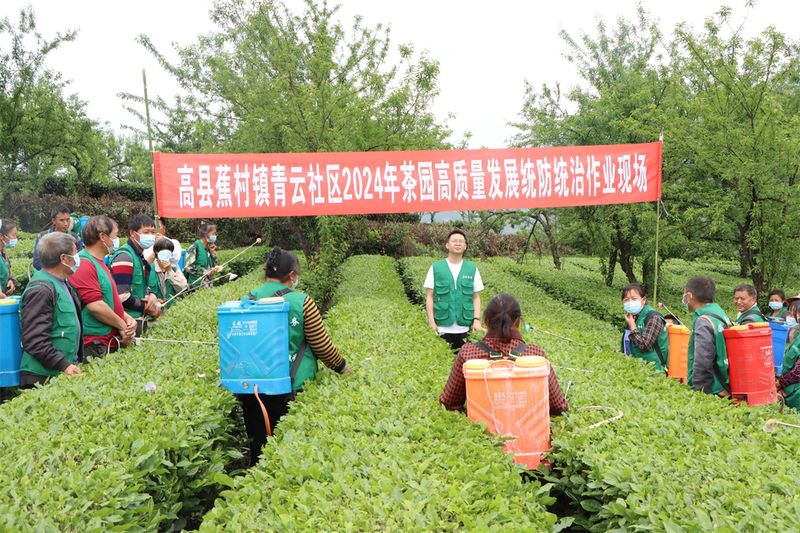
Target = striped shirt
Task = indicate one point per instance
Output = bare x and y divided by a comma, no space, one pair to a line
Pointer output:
318,339
122,270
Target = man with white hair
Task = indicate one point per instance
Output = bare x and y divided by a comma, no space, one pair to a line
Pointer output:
52,335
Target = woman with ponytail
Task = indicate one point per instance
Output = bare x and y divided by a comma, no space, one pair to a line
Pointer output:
502,319
201,257
308,342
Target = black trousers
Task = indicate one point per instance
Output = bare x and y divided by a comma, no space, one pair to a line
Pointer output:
98,349
455,340
277,406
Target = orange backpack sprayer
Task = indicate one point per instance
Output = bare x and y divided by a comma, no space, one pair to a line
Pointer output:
512,398
751,363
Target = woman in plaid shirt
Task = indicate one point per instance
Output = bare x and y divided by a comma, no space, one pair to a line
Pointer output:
502,318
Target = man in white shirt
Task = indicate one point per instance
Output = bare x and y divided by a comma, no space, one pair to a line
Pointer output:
453,286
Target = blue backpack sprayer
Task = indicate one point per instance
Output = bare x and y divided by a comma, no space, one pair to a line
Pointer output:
10,345
254,348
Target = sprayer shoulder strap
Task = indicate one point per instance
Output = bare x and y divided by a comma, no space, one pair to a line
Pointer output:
513,354
485,347
715,369
656,346
517,351
282,292
725,323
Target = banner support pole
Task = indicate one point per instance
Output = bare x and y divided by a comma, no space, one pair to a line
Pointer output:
150,145
658,235
655,277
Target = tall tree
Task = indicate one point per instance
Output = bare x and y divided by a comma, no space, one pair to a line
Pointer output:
739,138
625,84
270,80
41,129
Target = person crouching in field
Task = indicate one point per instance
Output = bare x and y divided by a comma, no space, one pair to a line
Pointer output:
502,318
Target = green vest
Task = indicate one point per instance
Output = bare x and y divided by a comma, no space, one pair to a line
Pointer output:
789,359
65,330
452,303
719,340
92,326
155,287
753,311
138,281
5,270
781,314
662,343
202,259
308,365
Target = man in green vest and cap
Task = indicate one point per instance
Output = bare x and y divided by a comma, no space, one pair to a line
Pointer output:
52,340
646,337
131,271
708,358
453,300
745,299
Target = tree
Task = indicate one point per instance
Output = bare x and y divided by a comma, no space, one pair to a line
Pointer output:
269,80
45,135
739,137
626,84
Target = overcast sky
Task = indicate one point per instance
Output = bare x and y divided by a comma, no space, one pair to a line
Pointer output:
486,49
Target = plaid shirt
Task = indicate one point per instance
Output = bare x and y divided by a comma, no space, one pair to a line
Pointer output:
646,339
455,392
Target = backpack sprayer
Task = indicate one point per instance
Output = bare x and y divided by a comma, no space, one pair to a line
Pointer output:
254,348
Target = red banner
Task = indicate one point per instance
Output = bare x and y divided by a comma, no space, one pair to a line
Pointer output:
345,183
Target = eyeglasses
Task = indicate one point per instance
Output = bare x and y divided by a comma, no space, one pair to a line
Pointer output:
459,241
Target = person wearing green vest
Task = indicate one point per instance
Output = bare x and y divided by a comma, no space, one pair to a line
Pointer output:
131,272
790,321
778,309
745,299
453,300
788,384
165,280
51,330
201,257
8,240
308,342
646,334
106,325
708,357
61,221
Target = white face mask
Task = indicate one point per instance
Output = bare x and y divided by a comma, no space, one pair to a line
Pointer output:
74,268
296,281
164,255
114,245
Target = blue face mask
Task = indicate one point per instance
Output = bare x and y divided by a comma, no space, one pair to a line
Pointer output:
634,307
791,322
147,240
776,306
12,243
164,255
212,239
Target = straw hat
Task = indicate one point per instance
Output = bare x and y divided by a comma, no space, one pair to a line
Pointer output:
792,299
